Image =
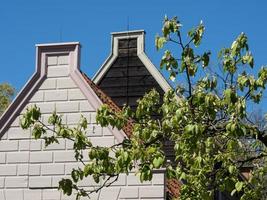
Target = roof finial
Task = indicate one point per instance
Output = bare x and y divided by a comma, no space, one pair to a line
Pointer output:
128,23
60,33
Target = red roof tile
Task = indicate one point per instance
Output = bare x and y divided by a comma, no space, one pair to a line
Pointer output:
173,188
107,100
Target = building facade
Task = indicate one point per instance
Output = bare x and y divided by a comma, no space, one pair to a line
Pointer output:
28,170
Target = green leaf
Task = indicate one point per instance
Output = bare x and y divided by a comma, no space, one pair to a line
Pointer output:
25,122
55,119
35,113
239,186
75,175
230,96
196,34
146,173
205,59
88,170
83,122
172,76
37,131
182,176
171,173
170,26
50,140
231,169
159,42
96,178
66,185
158,162
248,58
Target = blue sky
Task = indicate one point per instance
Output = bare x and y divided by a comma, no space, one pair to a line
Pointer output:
26,23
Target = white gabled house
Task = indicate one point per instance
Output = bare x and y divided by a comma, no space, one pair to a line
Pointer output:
28,171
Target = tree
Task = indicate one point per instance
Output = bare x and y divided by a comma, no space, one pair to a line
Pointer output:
213,136
6,94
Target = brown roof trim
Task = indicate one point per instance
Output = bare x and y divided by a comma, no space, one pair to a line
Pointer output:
108,101
173,188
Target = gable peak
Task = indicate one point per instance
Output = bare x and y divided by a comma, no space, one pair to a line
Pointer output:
128,39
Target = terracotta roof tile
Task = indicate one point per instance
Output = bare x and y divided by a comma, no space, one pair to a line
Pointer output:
107,100
173,186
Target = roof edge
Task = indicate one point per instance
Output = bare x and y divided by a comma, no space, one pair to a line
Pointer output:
57,44
90,90
133,32
115,37
37,79
18,103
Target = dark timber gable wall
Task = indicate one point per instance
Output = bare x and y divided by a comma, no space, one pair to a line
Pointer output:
128,79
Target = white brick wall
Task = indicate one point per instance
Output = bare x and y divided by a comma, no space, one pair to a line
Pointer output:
9,145
13,194
129,192
8,170
58,71
48,84
52,60
32,194
18,157
40,181
55,95
16,182
41,157
30,171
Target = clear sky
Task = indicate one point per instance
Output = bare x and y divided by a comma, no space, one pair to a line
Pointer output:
25,23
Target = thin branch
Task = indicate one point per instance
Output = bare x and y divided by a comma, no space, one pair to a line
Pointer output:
180,40
246,96
116,145
262,155
187,45
106,184
172,40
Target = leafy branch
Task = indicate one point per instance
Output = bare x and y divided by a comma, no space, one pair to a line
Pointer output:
207,124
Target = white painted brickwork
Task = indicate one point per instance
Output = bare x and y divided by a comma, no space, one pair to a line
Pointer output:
28,171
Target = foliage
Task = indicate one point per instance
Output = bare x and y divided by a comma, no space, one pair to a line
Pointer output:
213,136
6,94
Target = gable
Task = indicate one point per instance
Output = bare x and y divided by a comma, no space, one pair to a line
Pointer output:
57,85
128,74
28,170
128,79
